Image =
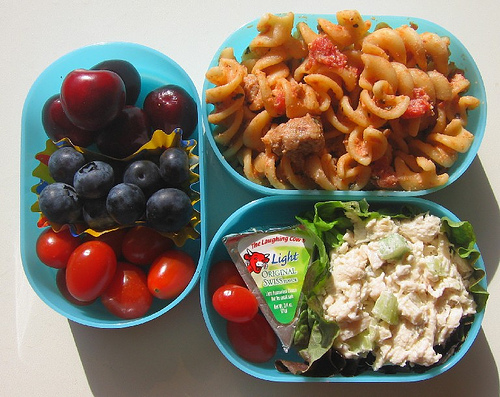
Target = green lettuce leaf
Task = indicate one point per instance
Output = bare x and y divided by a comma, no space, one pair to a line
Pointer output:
314,337
461,235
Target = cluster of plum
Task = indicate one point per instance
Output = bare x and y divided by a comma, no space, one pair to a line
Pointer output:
98,106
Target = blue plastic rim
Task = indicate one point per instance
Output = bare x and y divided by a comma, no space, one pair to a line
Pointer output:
156,69
281,211
242,37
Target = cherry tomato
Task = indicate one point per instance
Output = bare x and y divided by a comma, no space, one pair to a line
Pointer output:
128,296
63,289
113,239
222,273
235,303
54,249
142,245
254,340
170,274
90,269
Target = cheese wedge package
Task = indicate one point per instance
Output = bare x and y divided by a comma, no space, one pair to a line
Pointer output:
273,263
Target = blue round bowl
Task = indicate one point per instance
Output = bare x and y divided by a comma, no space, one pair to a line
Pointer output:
156,69
242,37
276,211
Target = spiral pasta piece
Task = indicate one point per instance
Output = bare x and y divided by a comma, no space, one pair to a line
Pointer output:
272,174
436,48
454,136
255,130
440,154
250,169
366,145
376,69
415,50
352,175
338,34
323,85
315,171
298,181
228,98
225,109
387,107
274,30
387,43
353,22
300,98
232,124
417,173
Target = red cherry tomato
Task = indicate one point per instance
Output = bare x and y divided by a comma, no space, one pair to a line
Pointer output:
63,289
54,249
90,269
222,273
142,245
128,296
254,340
235,303
170,274
113,239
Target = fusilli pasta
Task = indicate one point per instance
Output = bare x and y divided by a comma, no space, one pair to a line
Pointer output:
340,107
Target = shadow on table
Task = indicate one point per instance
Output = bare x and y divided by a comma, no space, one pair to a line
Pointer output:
175,356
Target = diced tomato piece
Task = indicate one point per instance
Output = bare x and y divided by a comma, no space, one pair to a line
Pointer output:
419,106
323,51
279,101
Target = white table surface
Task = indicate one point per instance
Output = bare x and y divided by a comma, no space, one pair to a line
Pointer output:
44,354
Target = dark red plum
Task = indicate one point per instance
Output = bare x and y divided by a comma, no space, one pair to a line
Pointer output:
128,73
57,125
170,107
92,98
126,134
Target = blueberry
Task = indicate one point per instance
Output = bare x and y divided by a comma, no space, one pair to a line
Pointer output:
174,166
145,174
60,203
169,210
96,215
125,203
63,164
94,179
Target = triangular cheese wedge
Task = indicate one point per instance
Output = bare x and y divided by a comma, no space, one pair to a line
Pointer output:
273,264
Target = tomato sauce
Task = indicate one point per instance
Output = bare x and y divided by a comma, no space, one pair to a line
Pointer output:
419,106
323,51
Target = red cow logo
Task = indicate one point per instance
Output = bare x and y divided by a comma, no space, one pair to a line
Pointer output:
256,261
